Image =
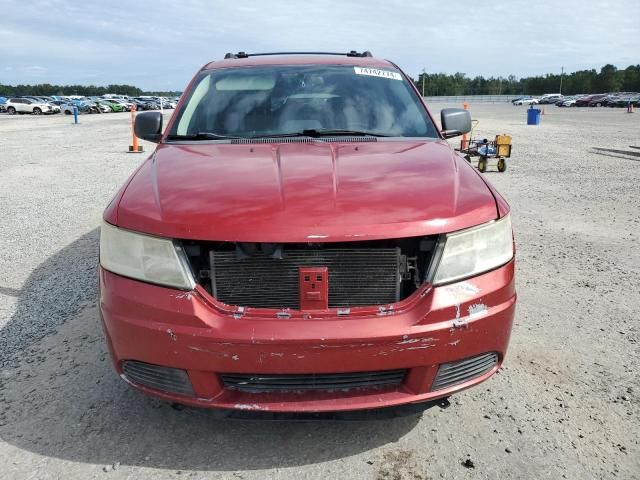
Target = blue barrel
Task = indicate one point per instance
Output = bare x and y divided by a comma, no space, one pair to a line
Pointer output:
533,116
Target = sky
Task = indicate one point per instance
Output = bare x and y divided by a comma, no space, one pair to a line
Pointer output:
159,45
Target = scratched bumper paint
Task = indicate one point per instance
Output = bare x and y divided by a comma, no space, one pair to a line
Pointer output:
185,330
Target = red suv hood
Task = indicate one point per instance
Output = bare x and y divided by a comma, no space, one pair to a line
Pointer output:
304,192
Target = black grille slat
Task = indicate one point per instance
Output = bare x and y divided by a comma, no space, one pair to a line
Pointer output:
454,373
291,379
357,277
171,380
463,363
258,383
469,373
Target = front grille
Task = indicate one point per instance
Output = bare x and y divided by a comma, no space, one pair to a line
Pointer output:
454,373
357,277
260,383
171,380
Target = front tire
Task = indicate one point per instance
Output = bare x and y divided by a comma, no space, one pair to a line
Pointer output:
502,165
482,165
37,111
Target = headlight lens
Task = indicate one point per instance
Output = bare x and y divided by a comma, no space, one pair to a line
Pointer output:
143,257
479,249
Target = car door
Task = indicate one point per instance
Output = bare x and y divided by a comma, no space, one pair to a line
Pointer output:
23,105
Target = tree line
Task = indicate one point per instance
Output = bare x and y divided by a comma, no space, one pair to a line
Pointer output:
46,89
608,79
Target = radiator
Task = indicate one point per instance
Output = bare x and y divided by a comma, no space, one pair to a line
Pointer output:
357,277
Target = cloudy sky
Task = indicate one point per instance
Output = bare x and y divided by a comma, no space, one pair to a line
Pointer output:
160,44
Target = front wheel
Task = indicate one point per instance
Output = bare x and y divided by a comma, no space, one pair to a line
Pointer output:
502,165
37,111
482,165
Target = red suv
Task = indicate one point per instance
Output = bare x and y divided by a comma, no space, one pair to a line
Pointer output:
303,239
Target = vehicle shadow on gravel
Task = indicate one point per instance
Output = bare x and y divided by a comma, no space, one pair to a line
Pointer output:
61,398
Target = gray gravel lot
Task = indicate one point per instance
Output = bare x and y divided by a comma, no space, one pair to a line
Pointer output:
566,404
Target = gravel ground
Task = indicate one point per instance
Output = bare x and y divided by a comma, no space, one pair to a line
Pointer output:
566,404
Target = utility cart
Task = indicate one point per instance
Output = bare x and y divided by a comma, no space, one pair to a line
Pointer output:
500,149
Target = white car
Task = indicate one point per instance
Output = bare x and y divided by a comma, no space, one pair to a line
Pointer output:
54,108
550,98
567,102
27,105
526,101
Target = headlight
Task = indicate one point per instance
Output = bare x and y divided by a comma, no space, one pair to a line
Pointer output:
476,250
143,257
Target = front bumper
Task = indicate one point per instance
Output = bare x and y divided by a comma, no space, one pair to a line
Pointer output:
193,332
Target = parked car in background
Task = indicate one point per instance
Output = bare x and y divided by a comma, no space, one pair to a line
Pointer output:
583,101
46,100
170,103
525,101
609,100
123,100
623,101
67,108
114,105
596,100
60,104
167,103
3,101
567,102
97,106
83,106
126,105
91,107
54,107
550,98
103,107
143,105
28,105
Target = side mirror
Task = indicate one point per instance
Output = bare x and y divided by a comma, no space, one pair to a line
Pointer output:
148,126
455,122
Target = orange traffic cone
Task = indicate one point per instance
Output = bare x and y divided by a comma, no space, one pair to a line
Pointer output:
135,148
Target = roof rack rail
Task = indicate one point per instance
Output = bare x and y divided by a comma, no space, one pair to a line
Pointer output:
352,53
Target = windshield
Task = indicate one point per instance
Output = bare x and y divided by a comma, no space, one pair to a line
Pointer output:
286,100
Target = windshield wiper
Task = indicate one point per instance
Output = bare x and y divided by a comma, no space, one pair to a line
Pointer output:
313,132
317,132
201,136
